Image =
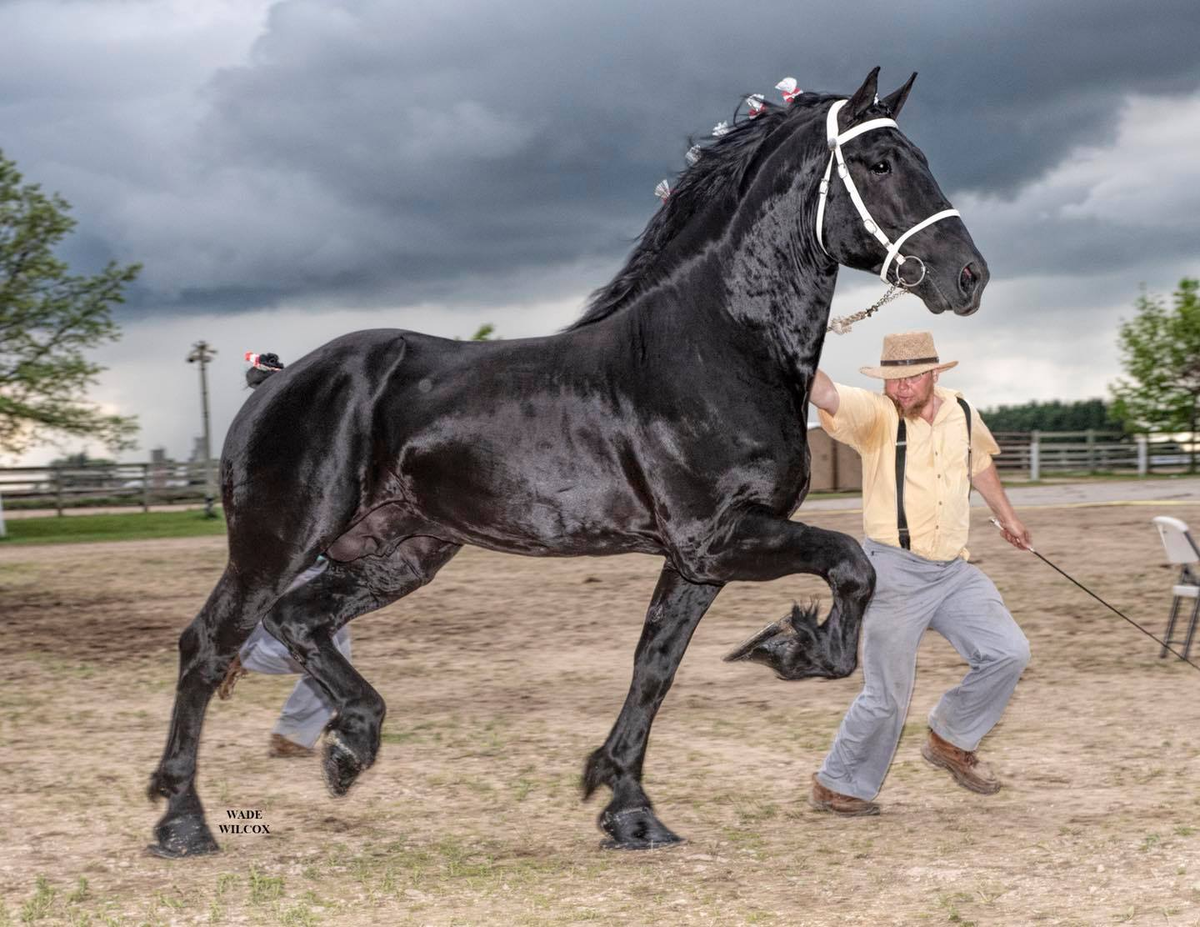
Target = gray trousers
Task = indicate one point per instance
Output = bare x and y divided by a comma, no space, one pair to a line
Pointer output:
307,710
911,594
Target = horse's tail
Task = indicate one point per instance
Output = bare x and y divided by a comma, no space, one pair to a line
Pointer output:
261,367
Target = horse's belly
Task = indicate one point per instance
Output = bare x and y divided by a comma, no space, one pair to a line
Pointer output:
564,522
526,500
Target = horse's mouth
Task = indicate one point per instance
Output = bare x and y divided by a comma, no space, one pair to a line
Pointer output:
967,292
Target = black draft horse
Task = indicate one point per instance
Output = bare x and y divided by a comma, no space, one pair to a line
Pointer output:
669,419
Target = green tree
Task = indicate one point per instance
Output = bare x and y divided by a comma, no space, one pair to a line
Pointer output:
48,318
1054,415
1160,350
483,333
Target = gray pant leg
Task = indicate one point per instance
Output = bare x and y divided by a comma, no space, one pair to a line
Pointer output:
308,709
903,605
973,618
263,653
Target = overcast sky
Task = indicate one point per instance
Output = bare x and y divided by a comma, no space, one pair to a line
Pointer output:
290,171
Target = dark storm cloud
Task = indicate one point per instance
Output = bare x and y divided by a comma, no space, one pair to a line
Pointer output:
387,152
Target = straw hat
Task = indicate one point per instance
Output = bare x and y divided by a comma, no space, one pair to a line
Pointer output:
907,354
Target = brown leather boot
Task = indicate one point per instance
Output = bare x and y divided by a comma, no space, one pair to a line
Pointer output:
963,765
235,672
824,799
281,747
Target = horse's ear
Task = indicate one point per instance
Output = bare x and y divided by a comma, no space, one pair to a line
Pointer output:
864,96
895,101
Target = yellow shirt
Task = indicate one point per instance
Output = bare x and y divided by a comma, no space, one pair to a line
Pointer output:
936,493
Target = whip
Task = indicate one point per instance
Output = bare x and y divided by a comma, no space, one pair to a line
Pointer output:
1102,602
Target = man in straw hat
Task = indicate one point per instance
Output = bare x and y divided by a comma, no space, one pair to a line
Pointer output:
916,531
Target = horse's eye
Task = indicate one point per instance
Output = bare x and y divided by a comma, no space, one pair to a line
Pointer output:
881,167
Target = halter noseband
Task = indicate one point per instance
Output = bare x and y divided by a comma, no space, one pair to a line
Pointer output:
835,152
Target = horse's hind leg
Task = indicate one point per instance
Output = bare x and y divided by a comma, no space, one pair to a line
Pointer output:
305,620
206,648
675,610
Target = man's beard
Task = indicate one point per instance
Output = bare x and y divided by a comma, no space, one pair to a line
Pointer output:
913,413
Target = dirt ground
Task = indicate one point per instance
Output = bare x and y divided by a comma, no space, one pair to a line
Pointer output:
502,675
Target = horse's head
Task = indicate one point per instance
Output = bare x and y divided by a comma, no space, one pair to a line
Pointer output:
879,194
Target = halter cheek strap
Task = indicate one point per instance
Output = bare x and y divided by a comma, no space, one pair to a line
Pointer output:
835,154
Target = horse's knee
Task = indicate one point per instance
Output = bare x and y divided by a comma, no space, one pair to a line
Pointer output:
854,576
198,658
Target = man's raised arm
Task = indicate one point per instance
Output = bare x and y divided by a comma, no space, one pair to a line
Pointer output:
824,394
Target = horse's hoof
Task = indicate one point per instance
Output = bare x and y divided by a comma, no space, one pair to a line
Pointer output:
341,766
759,642
636,829
182,837
785,646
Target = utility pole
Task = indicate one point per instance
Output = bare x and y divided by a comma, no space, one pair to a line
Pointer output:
202,353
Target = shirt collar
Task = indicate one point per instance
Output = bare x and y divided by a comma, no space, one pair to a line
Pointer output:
949,405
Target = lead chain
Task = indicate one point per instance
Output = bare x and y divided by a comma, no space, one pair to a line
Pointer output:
841,326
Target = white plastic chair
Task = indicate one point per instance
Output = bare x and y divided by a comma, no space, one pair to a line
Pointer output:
1182,549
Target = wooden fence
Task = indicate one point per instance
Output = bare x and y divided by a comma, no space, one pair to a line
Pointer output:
132,484
1037,454
1030,455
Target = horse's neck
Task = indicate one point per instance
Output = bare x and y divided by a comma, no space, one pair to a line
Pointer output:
777,287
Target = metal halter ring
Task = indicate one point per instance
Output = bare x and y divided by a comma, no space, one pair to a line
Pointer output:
900,276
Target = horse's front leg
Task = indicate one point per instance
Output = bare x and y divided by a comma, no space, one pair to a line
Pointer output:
765,547
675,610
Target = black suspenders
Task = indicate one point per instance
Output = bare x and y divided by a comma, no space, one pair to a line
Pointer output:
901,450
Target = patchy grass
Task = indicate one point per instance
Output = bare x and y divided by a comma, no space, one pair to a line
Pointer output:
134,526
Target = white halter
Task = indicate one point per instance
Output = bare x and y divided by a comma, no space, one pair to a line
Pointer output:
835,151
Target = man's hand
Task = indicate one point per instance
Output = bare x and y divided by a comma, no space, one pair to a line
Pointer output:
1015,533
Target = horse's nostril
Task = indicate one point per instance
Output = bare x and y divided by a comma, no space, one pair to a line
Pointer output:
967,279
